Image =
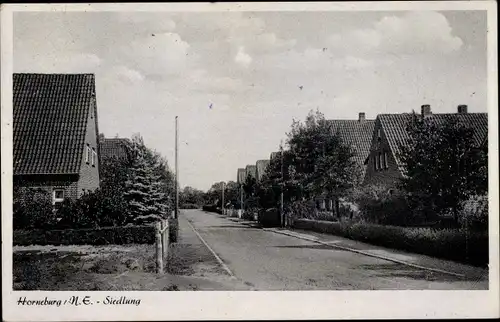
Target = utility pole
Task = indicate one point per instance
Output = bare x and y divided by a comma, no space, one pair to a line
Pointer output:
176,214
223,197
282,215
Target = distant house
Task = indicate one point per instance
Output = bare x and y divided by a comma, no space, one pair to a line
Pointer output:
117,148
251,170
241,176
383,163
357,134
260,168
55,144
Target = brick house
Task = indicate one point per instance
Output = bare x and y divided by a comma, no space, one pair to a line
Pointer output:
55,143
383,163
260,169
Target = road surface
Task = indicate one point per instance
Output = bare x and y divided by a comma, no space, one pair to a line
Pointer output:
266,260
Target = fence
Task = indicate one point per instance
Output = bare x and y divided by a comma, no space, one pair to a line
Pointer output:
162,243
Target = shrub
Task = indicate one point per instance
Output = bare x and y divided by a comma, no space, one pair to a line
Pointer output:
173,229
32,209
301,209
378,204
453,244
98,236
189,206
474,213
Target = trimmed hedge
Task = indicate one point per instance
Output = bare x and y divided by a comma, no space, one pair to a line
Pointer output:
448,244
269,218
98,236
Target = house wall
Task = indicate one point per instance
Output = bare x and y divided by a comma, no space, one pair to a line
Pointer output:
391,174
89,174
48,182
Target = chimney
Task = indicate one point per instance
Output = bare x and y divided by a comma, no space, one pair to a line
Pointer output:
361,117
426,110
462,109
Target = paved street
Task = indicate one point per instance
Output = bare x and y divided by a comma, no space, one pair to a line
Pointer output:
266,260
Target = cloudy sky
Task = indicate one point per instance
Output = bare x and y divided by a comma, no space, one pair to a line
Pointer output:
257,71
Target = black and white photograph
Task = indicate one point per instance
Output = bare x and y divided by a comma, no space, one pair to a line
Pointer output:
228,147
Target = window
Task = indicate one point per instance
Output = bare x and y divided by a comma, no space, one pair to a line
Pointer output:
87,153
57,196
386,164
379,135
377,164
380,161
374,163
94,157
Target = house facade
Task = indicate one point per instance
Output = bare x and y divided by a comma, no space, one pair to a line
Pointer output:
55,141
383,165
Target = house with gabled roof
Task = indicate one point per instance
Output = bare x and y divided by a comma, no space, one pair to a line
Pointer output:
241,176
114,148
356,133
250,170
384,166
260,169
55,141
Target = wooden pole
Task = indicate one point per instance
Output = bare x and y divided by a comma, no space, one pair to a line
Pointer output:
159,252
164,236
176,169
282,215
223,198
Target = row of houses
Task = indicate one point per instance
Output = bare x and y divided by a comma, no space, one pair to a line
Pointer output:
376,144
56,146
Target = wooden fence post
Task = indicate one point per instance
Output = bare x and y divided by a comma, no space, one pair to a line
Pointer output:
164,239
159,252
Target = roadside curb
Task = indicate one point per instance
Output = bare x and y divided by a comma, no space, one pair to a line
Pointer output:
397,261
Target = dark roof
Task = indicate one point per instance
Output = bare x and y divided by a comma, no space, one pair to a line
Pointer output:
394,127
50,120
115,148
356,133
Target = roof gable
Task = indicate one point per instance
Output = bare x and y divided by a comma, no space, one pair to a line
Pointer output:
50,120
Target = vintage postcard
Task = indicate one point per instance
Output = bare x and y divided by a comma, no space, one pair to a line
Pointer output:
201,161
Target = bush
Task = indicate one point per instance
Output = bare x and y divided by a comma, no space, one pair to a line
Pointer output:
453,244
98,236
377,204
95,209
173,229
474,213
189,206
32,209
269,217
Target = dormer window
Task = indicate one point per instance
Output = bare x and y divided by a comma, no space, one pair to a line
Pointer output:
87,154
377,164
386,163
380,161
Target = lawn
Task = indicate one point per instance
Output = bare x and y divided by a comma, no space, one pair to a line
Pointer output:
115,268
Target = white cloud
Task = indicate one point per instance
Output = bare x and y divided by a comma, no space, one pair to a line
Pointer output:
242,57
413,33
160,54
128,75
